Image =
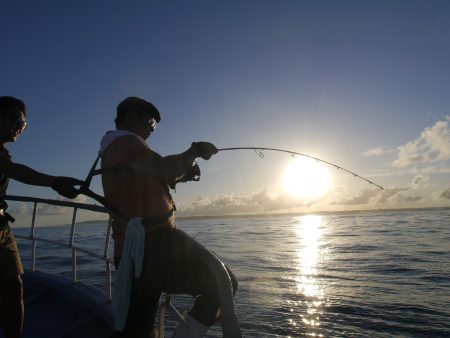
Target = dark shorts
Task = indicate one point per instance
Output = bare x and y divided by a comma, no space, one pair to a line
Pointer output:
10,263
174,264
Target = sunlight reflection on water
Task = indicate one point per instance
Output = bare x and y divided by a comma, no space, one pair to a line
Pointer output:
309,232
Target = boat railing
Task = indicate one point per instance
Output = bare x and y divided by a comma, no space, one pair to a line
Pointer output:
70,244
230,325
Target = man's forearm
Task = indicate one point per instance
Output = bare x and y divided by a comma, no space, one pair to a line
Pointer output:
24,174
175,166
168,168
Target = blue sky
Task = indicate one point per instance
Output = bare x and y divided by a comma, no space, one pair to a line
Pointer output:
363,84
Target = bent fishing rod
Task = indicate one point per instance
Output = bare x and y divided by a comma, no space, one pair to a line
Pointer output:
195,172
259,151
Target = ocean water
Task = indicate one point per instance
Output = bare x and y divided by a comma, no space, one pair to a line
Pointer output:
372,274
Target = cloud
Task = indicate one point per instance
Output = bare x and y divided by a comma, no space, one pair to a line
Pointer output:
369,196
19,208
429,170
226,204
419,181
267,201
391,195
264,201
446,194
413,198
379,151
401,198
23,208
432,145
361,197
78,199
49,209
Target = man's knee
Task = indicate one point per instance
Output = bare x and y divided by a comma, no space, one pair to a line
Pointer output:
205,309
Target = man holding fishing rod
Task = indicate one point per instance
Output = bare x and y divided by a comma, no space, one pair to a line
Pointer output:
136,183
12,124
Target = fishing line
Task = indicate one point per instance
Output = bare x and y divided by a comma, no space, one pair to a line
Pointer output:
225,170
259,152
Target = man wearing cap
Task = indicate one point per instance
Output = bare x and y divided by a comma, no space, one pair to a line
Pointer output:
12,124
135,182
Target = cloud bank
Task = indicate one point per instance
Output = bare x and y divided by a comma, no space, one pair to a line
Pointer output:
264,201
431,146
22,208
267,201
379,151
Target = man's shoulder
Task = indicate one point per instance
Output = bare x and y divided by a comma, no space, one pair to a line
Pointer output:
127,143
130,140
123,148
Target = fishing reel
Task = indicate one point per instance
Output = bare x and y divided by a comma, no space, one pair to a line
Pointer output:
192,174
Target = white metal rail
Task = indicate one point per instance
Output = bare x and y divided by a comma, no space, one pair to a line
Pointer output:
70,245
230,324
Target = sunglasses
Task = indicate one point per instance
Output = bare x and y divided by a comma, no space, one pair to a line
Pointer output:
150,119
152,122
20,123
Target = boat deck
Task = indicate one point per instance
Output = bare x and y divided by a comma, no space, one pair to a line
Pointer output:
57,308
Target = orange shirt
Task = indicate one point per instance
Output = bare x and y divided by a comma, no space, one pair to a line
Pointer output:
133,193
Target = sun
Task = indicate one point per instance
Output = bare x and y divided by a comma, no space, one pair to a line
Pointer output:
306,179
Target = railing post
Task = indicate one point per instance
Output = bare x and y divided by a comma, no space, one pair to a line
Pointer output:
162,312
108,264
74,251
108,282
33,240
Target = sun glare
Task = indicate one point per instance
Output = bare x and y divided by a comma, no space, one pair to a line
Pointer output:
306,178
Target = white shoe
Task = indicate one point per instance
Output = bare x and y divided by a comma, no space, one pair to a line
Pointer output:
190,328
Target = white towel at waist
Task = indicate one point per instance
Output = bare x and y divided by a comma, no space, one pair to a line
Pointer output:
133,255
